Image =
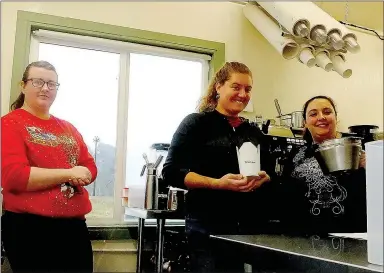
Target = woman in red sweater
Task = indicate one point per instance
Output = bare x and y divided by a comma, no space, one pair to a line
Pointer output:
45,165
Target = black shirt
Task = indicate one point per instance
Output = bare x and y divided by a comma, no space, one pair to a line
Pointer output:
314,202
205,143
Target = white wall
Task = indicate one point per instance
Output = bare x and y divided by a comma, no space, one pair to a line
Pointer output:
359,99
216,21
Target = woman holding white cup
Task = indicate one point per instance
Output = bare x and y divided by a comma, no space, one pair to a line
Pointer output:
204,158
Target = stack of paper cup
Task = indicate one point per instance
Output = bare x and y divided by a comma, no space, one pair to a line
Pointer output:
124,198
306,57
323,59
338,61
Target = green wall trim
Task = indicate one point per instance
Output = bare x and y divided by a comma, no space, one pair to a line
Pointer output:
29,21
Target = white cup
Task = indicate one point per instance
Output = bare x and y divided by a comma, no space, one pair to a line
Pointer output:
124,201
125,192
323,61
339,66
249,159
307,58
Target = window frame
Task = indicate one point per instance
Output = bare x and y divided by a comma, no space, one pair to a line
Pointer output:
27,22
123,49
123,40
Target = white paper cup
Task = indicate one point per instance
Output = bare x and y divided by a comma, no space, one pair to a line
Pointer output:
323,61
124,201
307,58
339,67
249,159
125,192
352,45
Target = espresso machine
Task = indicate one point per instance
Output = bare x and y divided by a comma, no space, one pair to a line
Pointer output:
279,148
280,141
367,133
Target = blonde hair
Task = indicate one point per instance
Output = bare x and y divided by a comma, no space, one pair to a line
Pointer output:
209,101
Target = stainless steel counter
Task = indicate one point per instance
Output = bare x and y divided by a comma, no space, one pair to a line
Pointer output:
153,214
335,251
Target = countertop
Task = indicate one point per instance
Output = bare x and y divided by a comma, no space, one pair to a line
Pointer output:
351,253
153,214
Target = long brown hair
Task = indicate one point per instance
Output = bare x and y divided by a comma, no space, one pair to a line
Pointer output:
209,101
18,103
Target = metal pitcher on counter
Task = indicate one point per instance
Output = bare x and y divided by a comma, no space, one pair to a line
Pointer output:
176,199
151,183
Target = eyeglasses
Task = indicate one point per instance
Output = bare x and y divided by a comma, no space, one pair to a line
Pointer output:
39,83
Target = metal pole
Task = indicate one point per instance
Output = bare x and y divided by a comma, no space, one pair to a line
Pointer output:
140,240
160,245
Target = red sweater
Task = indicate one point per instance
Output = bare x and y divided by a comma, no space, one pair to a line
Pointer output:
28,141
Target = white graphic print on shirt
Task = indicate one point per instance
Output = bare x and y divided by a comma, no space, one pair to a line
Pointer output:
323,190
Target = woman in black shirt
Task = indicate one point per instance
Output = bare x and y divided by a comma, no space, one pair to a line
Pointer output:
315,202
202,158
